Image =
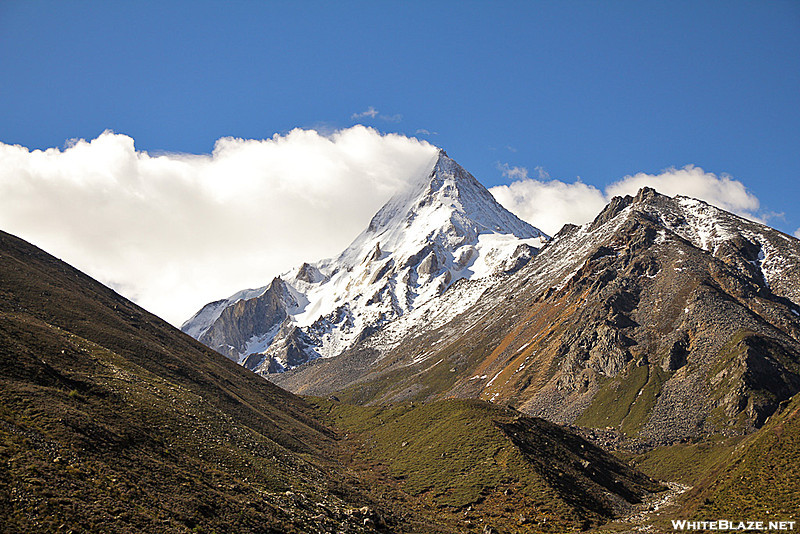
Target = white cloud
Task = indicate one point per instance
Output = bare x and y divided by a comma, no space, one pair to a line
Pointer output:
722,191
542,173
423,131
174,232
797,233
371,113
513,173
548,204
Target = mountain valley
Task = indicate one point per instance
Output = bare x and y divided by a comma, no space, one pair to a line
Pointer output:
111,420
453,370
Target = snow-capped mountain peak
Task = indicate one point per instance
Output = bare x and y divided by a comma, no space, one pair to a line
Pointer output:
443,227
449,187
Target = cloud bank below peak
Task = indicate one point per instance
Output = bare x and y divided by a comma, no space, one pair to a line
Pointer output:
175,231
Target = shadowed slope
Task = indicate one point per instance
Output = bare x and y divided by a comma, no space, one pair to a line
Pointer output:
480,463
111,419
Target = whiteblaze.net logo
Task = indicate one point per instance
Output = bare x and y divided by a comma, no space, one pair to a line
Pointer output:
723,524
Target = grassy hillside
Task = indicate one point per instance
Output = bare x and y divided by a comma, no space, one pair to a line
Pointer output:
760,479
742,478
478,462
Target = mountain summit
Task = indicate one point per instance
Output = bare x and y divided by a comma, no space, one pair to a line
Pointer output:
443,227
450,192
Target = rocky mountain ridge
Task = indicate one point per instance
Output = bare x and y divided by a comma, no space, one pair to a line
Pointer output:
664,318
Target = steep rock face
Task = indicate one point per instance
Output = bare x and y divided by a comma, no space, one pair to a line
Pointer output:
664,318
236,323
443,228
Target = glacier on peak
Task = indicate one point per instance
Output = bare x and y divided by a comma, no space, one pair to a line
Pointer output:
441,228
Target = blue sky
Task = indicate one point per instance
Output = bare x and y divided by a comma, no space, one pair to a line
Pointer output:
591,89
596,90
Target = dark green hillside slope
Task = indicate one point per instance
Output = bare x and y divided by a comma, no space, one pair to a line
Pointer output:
112,420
